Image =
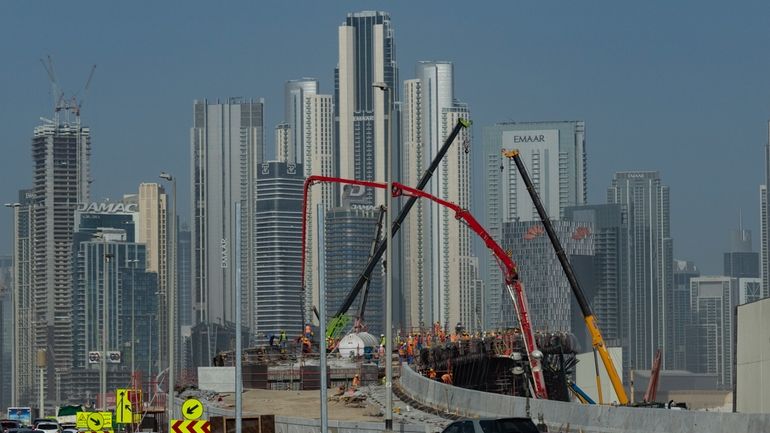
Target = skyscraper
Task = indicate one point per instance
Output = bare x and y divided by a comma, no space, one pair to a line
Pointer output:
711,334
227,150
548,292
684,272
184,279
284,150
607,227
366,56
278,293
108,258
438,282
764,223
555,156
320,159
740,261
24,292
60,153
348,235
7,346
296,116
650,322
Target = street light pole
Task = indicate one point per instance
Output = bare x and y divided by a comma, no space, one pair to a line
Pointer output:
388,262
133,263
105,322
170,301
16,304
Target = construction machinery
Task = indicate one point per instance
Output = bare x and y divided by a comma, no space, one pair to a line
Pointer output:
340,320
508,267
590,320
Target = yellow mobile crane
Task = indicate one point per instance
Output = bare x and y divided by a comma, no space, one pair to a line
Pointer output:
588,315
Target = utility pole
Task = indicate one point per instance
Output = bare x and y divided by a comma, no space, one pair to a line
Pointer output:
388,264
15,301
133,263
170,301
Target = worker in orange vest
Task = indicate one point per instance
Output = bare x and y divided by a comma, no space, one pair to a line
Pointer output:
447,378
356,381
432,374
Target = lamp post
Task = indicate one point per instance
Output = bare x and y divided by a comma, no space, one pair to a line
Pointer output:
105,321
15,301
133,263
170,300
388,262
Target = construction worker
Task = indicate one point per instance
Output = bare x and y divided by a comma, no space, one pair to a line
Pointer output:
382,339
432,374
356,381
447,378
282,340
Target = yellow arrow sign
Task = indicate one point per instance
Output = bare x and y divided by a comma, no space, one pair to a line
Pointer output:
95,421
122,407
192,409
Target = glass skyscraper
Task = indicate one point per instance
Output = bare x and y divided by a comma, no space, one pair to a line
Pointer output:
650,321
555,156
278,296
227,148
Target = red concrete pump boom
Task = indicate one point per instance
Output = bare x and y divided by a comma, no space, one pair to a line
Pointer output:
515,288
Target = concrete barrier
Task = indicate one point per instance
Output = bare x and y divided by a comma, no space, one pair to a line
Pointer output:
589,418
218,379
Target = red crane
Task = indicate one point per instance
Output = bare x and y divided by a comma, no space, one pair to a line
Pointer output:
515,288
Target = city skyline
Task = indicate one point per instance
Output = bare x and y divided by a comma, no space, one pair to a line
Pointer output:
645,97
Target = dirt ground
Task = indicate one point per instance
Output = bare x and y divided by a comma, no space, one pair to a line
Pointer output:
302,404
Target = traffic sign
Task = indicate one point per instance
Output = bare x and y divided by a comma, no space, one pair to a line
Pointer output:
190,426
107,417
95,422
123,412
81,420
192,409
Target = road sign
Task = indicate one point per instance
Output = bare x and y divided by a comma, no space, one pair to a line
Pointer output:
81,420
123,407
192,409
107,417
95,422
21,414
190,426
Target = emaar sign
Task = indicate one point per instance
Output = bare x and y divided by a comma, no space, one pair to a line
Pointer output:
108,207
547,138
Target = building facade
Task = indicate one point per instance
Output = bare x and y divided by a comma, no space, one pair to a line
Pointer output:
23,296
278,293
284,152
227,150
764,223
295,118
438,279
7,345
61,159
321,159
684,272
549,294
366,56
711,336
740,261
651,324
606,224
348,235
555,156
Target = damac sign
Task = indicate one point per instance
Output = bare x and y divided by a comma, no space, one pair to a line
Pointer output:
107,207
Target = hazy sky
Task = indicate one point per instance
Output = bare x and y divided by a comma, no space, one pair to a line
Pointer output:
681,88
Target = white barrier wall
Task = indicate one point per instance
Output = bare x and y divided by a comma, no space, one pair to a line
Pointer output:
217,379
590,418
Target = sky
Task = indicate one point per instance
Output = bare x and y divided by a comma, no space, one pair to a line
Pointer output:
678,87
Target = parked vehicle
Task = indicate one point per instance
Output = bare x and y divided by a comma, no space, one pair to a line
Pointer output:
492,425
48,427
6,424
